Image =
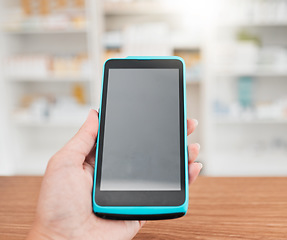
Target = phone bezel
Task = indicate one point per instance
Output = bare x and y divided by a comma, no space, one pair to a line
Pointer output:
141,198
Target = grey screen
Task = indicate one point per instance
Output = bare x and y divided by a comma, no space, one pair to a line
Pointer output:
141,146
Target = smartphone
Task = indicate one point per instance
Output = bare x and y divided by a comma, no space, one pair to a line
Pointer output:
141,164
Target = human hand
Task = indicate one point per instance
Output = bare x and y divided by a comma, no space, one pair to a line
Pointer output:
64,208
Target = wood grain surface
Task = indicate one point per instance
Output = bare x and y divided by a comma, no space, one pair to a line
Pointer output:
220,208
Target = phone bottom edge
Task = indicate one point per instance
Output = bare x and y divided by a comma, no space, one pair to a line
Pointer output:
140,217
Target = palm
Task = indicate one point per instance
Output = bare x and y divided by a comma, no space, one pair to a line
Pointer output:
69,191
65,203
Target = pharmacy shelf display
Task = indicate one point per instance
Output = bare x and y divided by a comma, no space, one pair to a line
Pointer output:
246,93
66,46
50,77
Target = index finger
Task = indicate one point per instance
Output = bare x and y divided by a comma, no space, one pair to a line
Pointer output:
191,125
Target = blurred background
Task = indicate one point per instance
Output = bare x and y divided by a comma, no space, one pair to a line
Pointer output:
52,53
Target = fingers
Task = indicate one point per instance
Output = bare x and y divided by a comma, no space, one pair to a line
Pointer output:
191,125
193,151
84,140
193,167
118,229
134,227
194,170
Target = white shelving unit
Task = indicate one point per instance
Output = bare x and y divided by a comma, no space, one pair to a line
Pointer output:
46,32
136,8
38,139
263,73
233,142
27,143
32,136
251,121
50,78
250,140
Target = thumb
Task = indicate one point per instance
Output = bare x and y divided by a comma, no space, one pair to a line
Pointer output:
134,227
84,140
119,229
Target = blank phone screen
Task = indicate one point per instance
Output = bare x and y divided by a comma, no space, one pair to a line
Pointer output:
141,141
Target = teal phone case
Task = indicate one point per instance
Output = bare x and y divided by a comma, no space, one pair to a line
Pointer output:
144,212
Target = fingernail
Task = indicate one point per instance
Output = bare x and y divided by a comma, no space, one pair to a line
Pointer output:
198,146
200,165
195,122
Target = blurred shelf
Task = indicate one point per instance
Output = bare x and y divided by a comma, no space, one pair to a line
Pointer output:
248,164
36,168
258,24
253,74
52,79
46,123
175,46
251,121
193,82
47,31
186,45
136,8
35,161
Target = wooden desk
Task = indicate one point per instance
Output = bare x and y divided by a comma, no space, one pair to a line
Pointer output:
220,208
